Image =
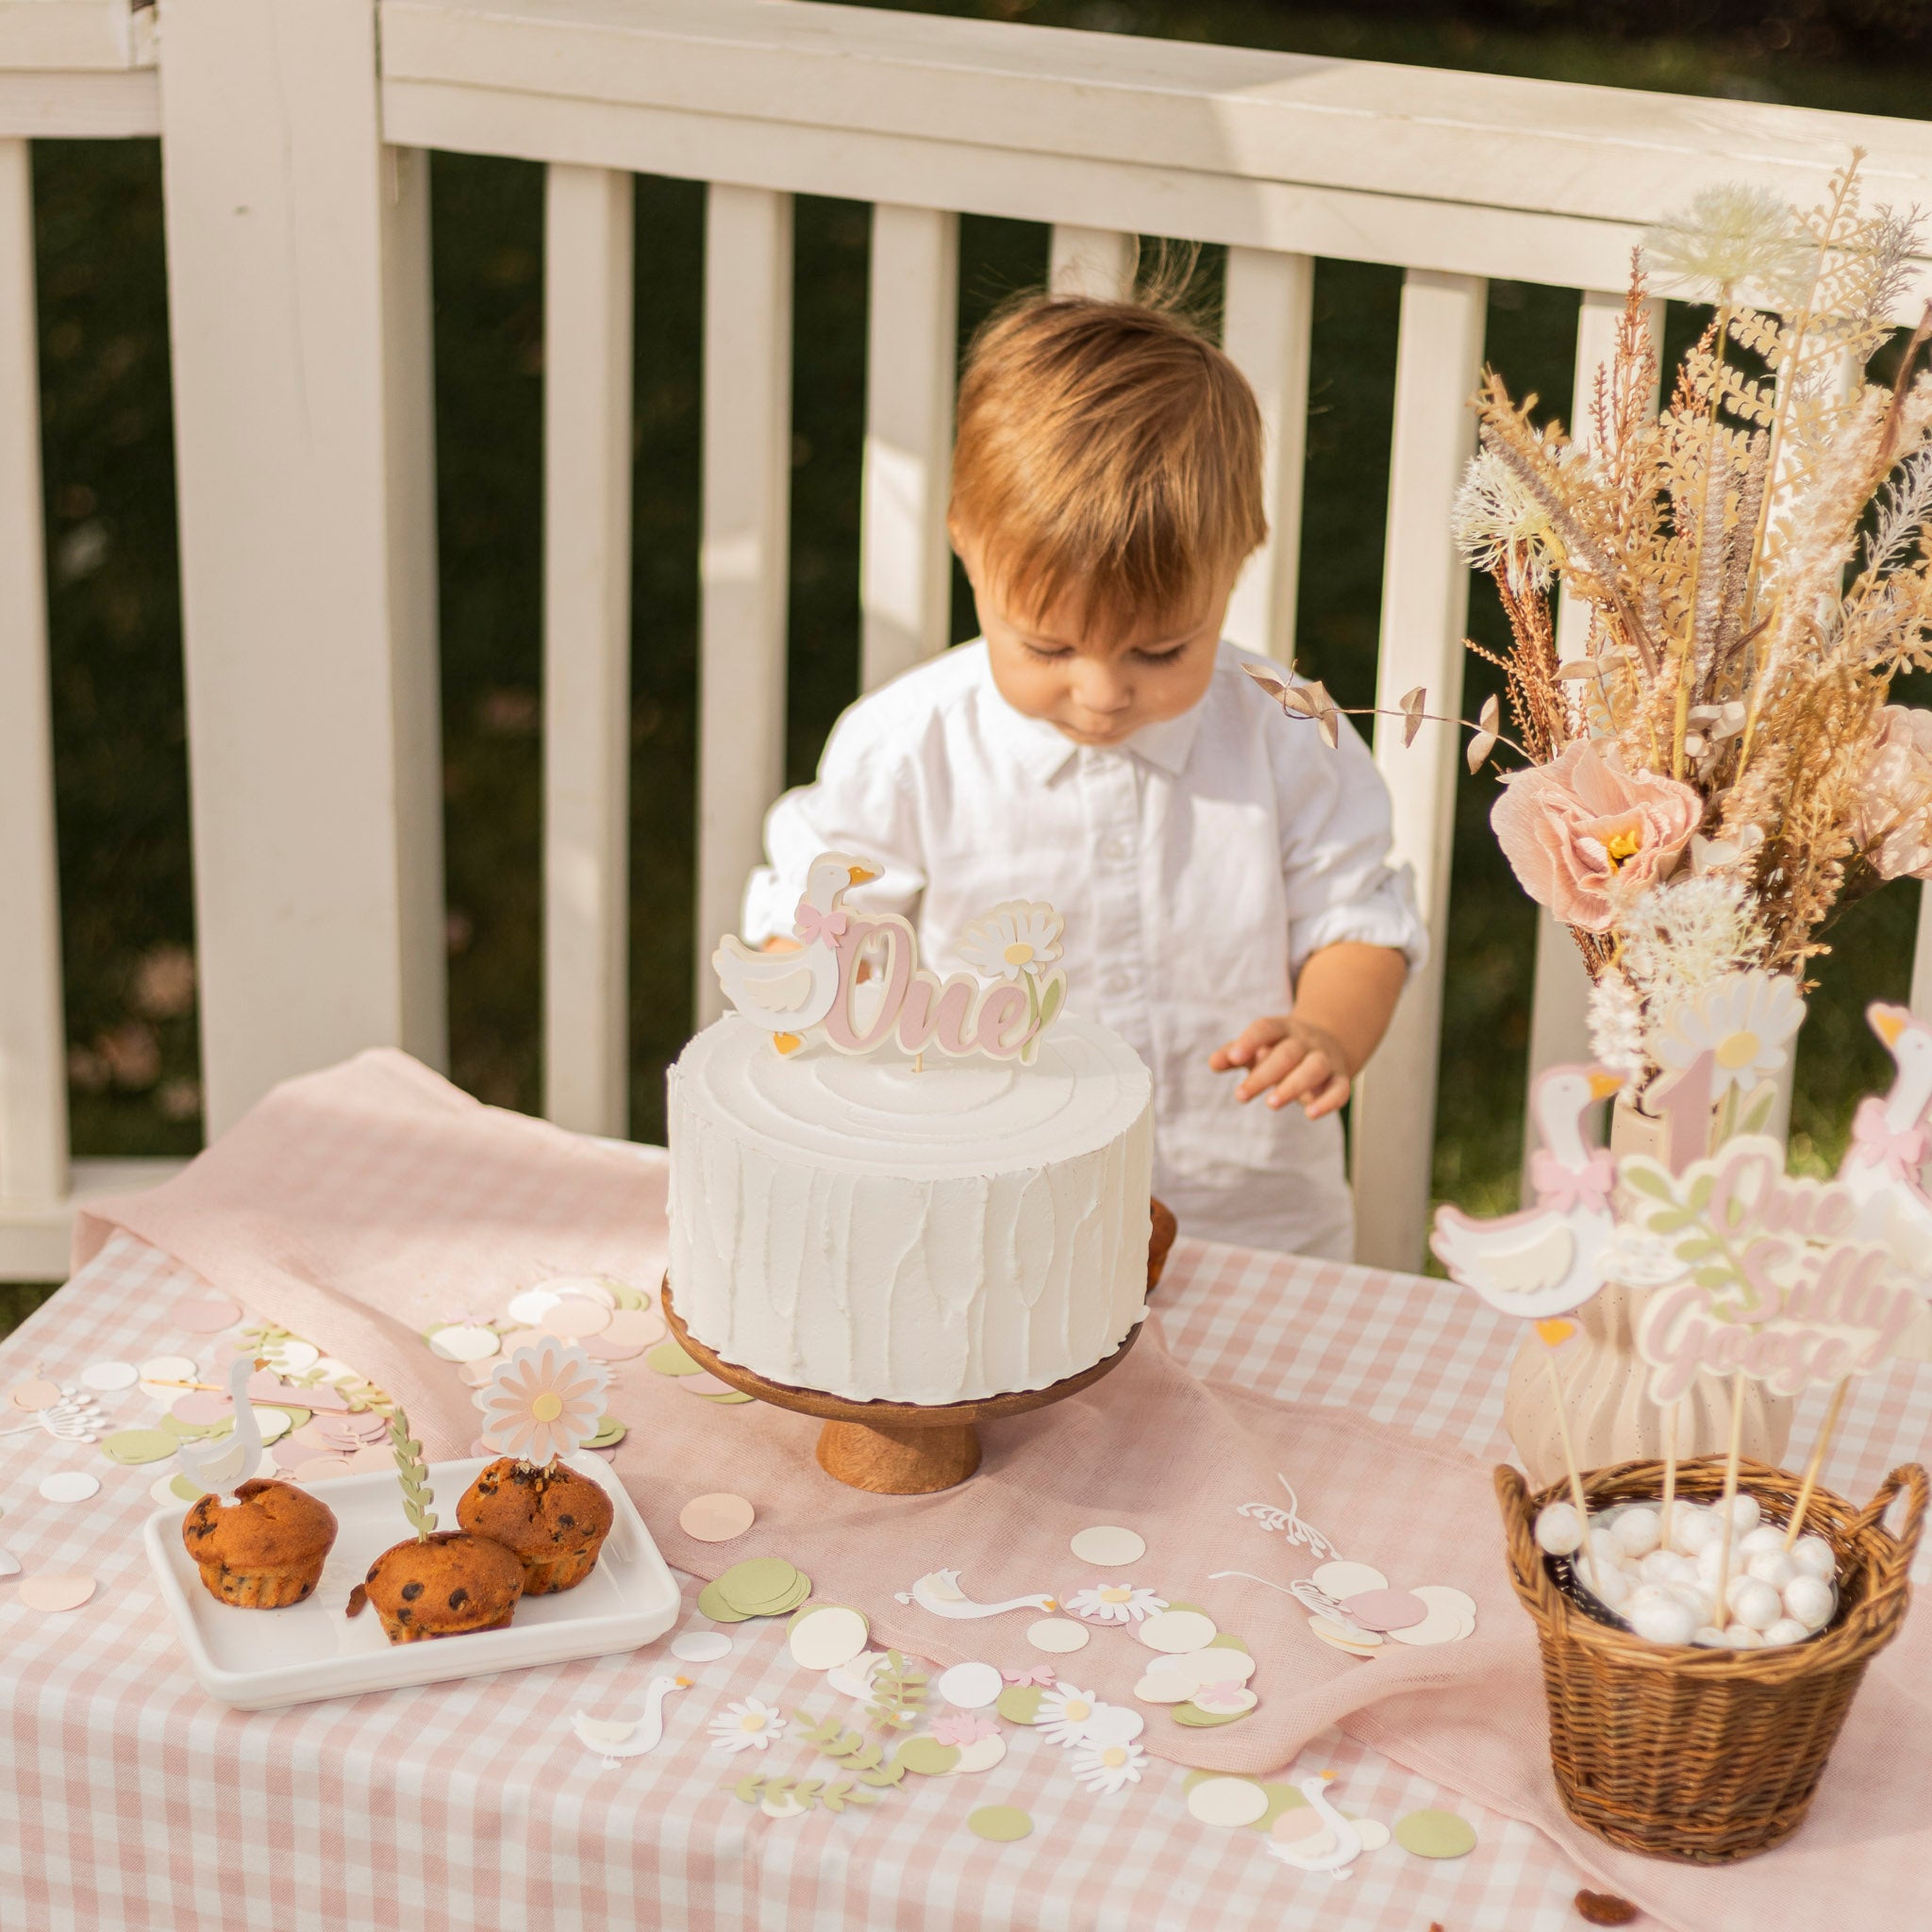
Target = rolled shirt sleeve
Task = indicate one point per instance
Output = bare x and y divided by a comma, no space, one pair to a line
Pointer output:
1335,834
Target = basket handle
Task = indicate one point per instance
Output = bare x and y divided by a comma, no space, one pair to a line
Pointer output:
1518,1532
1911,1477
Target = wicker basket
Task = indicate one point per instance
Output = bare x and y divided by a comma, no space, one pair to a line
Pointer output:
1707,1756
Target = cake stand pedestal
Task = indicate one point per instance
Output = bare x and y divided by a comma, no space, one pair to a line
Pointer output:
909,1448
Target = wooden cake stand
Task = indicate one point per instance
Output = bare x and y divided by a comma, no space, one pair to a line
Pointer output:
909,1448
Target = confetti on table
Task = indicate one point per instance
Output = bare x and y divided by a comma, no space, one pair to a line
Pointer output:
609,1432
1176,1630
1019,1703
162,1377
1108,1768
478,1374
759,1587
704,1383
634,1328
466,1342
1452,1616
716,1518
1434,1834
669,1358
827,1636
1115,1603
1193,1717
1386,1609
374,1457
700,1647
971,1686
999,1823
749,1725
1057,1634
321,1469
1364,1644
292,1357
1224,1700
1163,1687
70,1486
1342,1580
1108,1547
184,1489
202,1408
140,1446
36,1395
107,1377
50,1593
577,1316
981,1754
205,1314
1227,1801
927,1756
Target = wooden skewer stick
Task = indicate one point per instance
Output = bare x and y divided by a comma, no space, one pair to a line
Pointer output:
1819,1450
1663,1521
1570,1460
1723,1567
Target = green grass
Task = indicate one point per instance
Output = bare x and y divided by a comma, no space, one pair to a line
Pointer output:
121,762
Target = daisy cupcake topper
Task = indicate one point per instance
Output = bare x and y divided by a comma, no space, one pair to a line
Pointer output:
542,1402
813,990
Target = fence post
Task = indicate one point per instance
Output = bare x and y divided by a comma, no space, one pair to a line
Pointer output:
299,312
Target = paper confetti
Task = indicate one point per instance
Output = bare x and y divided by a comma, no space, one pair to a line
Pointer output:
70,1486
140,1446
927,1756
107,1376
52,1593
971,1686
1115,1603
1195,1719
981,1754
704,1383
205,1315
609,1432
827,1635
1345,1580
700,1647
1108,1547
465,1342
1433,1834
33,1396
716,1518
1451,1617
577,1316
1176,1630
1059,1635
1019,1703
1227,1801
1000,1824
669,1358
1386,1609
633,1328
159,1377
749,1725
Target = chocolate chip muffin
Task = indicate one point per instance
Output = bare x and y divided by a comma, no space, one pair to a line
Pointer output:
264,1548
553,1518
444,1586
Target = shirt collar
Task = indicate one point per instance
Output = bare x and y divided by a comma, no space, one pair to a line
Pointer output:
1043,752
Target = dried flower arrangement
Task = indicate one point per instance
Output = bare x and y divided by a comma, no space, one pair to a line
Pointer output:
1720,768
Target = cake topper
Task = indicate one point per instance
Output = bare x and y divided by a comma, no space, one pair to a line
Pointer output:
817,991
542,1403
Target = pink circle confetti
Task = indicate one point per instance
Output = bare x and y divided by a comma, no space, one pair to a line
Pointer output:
704,1383
321,1469
601,1348
291,1454
207,1314
1302,1821
577,1316
35,1396
66,1593
202,1407
478,1374
717,1518
370,1458
635,1328
1386,1609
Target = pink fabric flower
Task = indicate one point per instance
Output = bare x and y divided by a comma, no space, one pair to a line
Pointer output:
1581,833
1892,823
962,1727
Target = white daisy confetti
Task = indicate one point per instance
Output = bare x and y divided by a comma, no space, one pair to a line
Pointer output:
748,1726
1108,1767
1115,1603
1066,1714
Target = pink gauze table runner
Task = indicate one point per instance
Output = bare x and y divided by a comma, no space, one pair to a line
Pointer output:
359,1206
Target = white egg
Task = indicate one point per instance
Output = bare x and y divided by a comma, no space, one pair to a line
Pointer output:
1772,1567
1709,1561
1609,1587
1767,1535
1785,1630
1665,1566
1814,1558
1808,1600
1744,1514
1661,1620
1741,1637
1709,1637
1694,1528
1605,1548
1753,1604
1558,1529
1636,1530
1700,1601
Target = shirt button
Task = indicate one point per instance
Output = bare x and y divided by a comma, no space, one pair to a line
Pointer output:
1118,983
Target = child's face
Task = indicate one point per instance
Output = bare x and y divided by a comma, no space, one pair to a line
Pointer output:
1095,682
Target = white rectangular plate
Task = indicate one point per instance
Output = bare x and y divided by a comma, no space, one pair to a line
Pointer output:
258,1659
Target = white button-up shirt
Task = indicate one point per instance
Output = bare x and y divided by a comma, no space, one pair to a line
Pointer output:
1197,865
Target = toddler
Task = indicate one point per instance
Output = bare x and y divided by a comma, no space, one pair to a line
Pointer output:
1223,874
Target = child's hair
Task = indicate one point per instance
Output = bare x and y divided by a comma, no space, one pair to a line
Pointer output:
1109,453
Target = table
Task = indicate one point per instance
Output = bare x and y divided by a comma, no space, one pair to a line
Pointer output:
143,1803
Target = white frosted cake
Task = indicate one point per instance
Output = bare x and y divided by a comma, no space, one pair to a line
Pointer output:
857,1225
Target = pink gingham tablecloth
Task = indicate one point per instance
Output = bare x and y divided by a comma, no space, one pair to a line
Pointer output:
143,1803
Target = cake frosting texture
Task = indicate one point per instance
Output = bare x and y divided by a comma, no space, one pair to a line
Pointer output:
856,1225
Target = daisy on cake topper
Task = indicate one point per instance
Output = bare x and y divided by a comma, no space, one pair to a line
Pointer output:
542,1403
819,991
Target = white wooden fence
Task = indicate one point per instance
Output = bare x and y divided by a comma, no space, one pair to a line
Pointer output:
294,135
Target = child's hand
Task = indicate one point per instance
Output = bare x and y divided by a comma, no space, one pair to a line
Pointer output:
1293,1057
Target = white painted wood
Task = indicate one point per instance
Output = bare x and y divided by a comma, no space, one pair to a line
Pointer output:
586,468
742,563
309,678
1060,115
912,326
95,105
36,1239
33,1059
1265,326
1424,604
1093,261
66,35
1559,997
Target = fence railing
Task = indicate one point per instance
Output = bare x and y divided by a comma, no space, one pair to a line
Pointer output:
296,206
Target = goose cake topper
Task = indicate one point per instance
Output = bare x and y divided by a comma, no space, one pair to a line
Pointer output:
816,993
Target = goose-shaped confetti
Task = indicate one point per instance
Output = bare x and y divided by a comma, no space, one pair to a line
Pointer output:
223,1466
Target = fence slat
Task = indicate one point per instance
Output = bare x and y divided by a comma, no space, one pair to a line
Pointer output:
741,566
1266,330
906,578
296,249
1424,603
587,472
1091,262
33,1069
1558,1017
